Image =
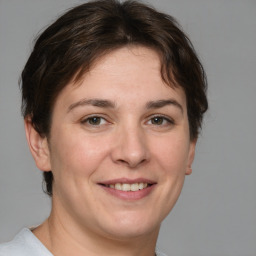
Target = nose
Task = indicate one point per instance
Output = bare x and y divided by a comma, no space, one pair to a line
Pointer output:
130,147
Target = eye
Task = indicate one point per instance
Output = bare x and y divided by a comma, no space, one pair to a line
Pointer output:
94,121
160,120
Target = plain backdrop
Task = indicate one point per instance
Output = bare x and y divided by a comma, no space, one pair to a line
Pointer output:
216,213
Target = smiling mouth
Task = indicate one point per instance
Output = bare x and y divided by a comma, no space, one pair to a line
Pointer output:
128,187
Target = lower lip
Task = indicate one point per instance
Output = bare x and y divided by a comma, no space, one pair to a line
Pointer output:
130,195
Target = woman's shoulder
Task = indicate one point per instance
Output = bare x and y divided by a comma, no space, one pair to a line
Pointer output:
159,253
24,243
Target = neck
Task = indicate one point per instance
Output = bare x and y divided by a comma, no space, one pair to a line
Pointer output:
67,238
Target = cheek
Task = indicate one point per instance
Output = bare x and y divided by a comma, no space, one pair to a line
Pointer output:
74,153
74,160
172,155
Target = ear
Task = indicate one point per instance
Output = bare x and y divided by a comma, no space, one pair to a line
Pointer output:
191,156
38,146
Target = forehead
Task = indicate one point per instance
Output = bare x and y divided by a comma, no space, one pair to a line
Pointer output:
121,58
126,74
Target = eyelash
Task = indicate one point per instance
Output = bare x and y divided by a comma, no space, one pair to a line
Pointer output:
164,119
90,118
100,119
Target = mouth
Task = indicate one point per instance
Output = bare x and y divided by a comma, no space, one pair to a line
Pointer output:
133,187
128,189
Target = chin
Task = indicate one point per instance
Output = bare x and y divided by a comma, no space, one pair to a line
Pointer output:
122,234
128,226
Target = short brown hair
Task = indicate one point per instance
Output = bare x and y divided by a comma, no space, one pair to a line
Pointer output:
67,49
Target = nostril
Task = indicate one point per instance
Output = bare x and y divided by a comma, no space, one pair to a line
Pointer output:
131,150
132,163
121,161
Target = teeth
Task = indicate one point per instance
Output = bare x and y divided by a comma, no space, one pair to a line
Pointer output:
129,187
141,185
126,187
118,186
134,187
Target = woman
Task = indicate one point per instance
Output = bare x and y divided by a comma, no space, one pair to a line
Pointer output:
113,99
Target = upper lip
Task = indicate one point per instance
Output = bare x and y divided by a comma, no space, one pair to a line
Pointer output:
127,181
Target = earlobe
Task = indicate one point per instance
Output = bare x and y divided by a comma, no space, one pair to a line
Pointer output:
188,171
38,146
191,156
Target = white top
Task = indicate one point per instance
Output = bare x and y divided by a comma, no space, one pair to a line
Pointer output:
25,243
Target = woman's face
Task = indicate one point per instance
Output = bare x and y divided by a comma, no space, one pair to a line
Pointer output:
119,147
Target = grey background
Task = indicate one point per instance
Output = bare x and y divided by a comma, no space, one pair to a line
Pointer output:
216,212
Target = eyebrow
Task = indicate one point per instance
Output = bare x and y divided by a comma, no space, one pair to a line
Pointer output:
109,104
93,102
163,103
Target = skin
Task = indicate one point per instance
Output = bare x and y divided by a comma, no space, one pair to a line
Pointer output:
121,122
